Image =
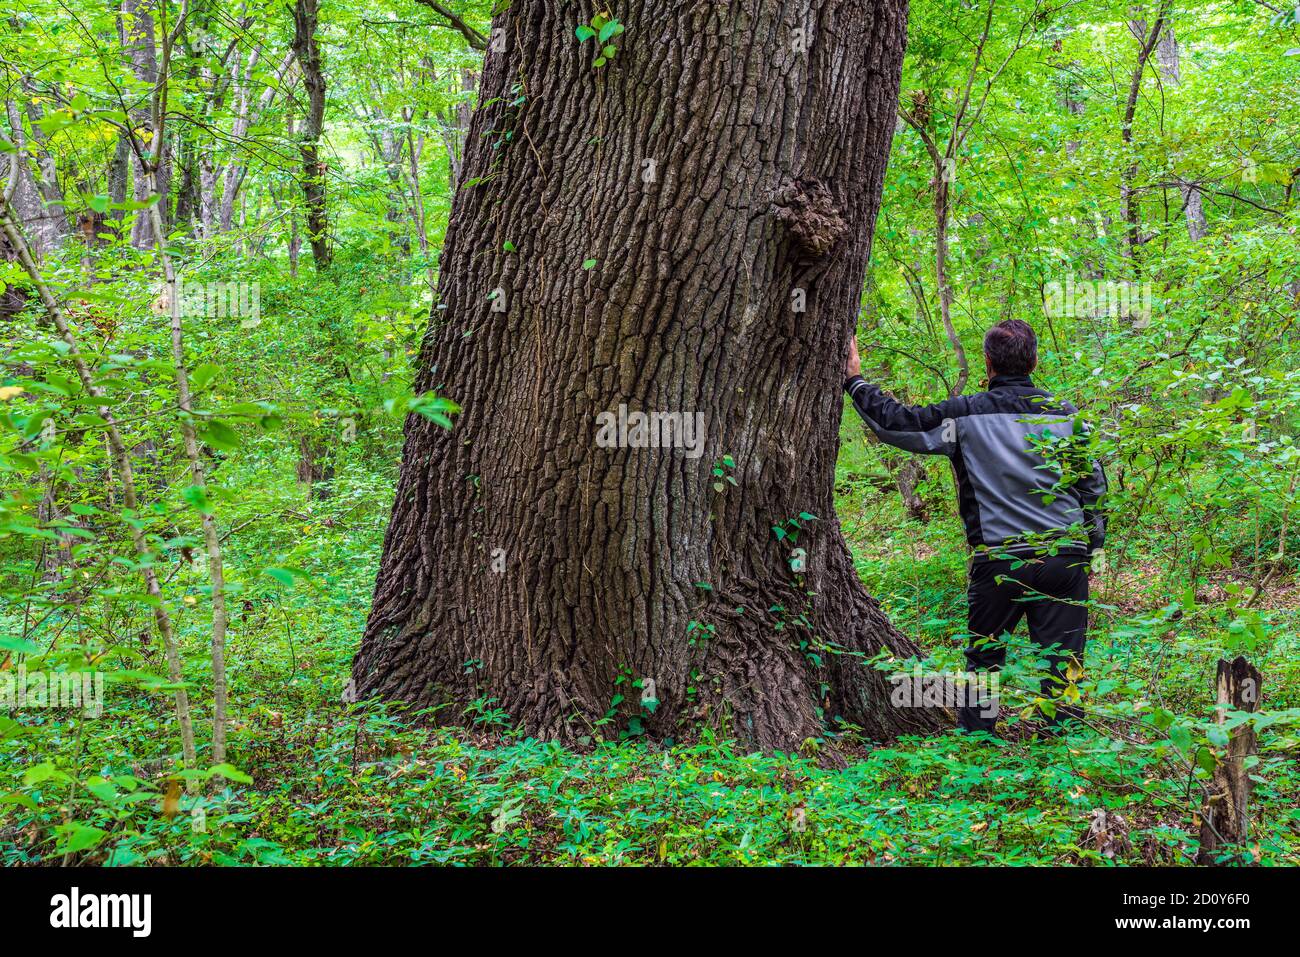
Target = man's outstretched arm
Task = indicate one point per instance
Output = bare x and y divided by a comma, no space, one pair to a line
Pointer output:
925,429
1092,489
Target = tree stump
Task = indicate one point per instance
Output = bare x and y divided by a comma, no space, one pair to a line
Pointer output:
1225,815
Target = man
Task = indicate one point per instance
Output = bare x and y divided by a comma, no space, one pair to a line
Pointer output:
1028,495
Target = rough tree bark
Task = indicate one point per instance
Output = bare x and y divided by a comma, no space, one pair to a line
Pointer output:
726,164
1225,815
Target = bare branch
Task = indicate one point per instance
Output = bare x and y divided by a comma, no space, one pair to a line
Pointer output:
472,36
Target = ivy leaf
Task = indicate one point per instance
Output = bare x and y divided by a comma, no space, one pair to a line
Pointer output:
584,32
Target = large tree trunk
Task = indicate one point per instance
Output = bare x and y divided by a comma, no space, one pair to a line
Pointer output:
724,169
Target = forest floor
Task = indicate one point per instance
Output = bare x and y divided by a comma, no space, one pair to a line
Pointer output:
316,781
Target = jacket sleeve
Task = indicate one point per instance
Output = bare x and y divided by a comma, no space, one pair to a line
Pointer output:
1090,483
925,429
1092,488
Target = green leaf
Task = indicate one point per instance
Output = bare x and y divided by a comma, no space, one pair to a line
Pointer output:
584,32
1206,760
104,790
45,771
20,645
230,773
588,263
1181,736
34,424
220,436
19,798
285,576
77,837
196,497
435,408
203,374
612,28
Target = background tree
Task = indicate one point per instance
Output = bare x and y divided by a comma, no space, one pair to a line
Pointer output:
314,168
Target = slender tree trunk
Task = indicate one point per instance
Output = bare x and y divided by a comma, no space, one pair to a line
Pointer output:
126,476
1129,206
315,466
388,148
119,175
295,238
414,151
942,216
723,171
37,199
454,124
198,478
313,167
245,116
138,37
908,474
233,172
1171,71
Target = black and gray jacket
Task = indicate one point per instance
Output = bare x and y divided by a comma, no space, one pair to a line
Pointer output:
1024,478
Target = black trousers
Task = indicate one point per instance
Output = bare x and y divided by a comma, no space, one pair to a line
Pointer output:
1050,592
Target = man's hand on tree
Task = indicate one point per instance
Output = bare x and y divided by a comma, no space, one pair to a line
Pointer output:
854,366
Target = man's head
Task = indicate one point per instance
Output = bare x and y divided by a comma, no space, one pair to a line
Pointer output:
1010,348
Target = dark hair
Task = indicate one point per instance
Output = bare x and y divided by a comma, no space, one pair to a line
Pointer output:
1011,348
